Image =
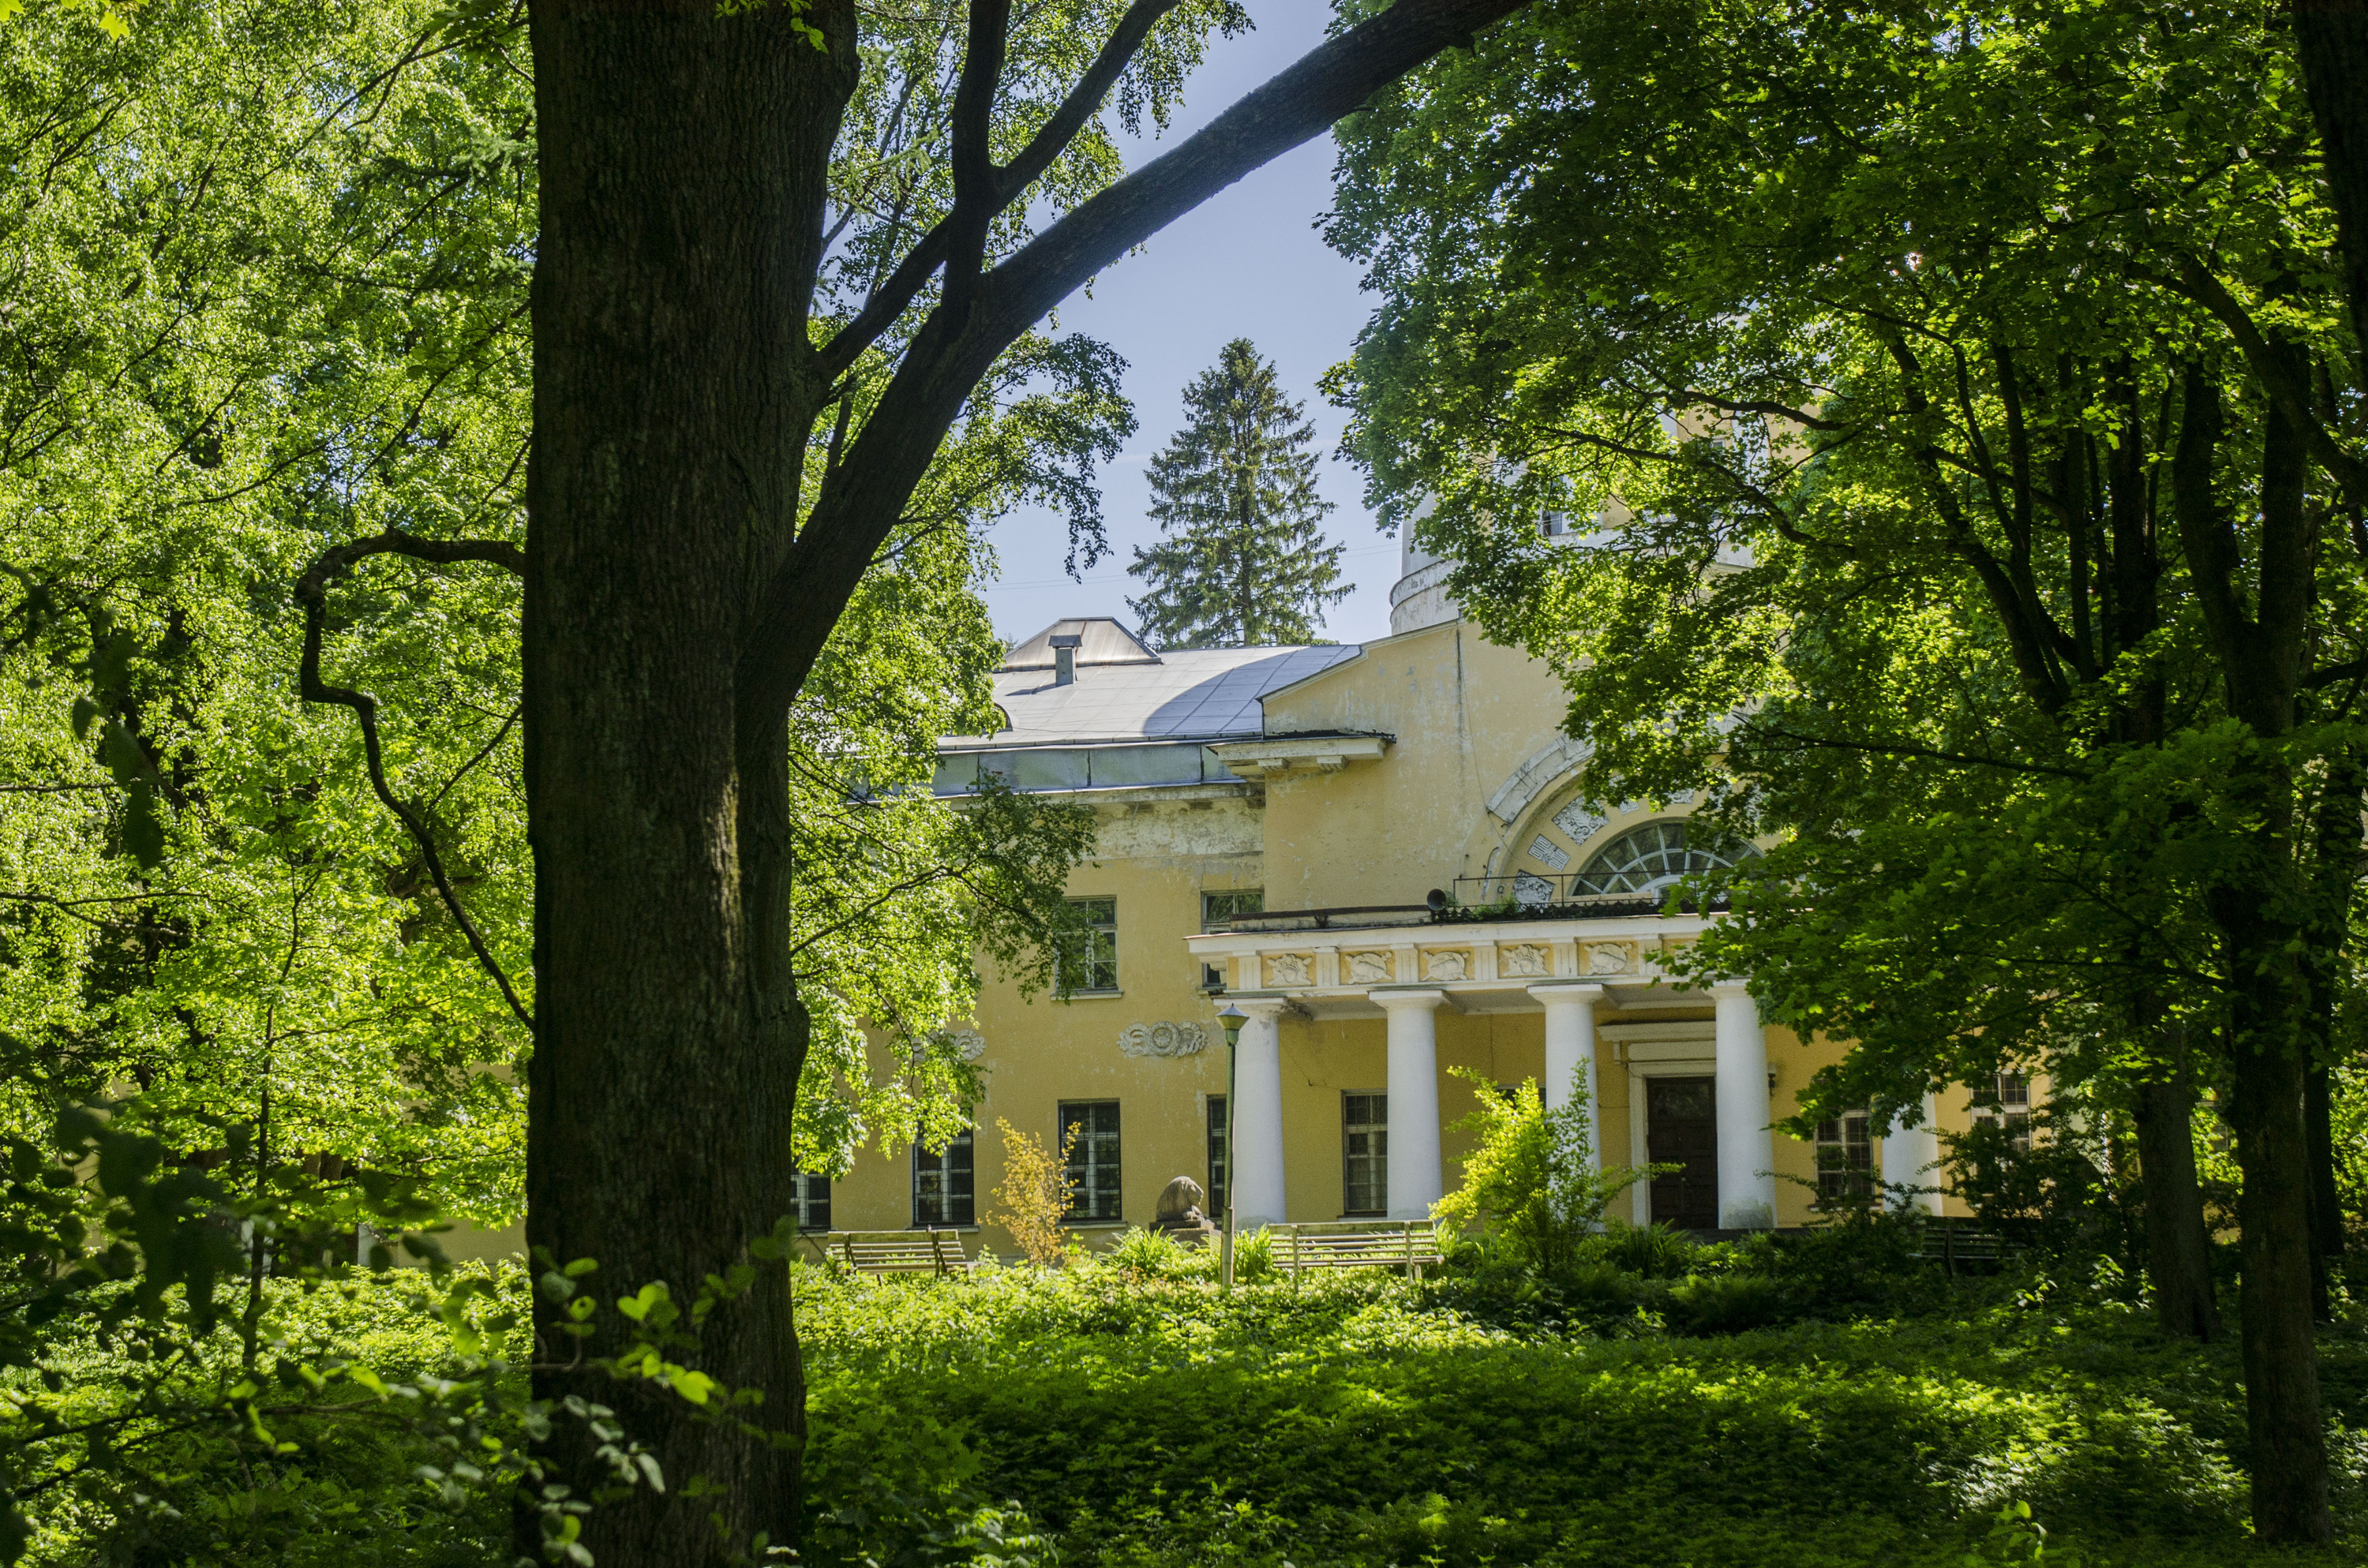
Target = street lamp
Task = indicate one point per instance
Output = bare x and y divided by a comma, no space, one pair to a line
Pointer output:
1232,1018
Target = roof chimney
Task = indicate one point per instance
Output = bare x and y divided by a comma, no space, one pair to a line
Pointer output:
1064,659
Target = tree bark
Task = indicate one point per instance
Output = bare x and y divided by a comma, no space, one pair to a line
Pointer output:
2323,1199
2331,37
2282,1409
2274,1027
683,157
2179,1248
674,608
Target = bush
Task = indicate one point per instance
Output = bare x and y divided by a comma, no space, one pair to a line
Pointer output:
1532,1178
1157,1256
1657,1251
1036,1192
1357,1420
1729,1303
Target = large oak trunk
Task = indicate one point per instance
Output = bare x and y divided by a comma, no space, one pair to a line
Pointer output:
682,156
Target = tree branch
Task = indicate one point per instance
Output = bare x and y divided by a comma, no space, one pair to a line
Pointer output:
2272,370
313,591
977,194
861,501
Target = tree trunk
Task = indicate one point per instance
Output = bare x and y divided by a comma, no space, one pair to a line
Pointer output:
2325,1201
682,167
2331,36
2336,879
2178,1249
2282,1409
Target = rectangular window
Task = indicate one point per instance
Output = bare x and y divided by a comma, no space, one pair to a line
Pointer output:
2013,1091
1093,1158
942,1184
1217,908
1365,1153
1218,911
1217,1171
1090,961
814,1202
1845,1157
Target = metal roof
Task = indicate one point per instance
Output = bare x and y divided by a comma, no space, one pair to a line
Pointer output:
1100,641
1190,694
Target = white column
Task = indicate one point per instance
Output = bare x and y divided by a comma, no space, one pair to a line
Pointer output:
1258,1119
1416,1182
1911,1156
1747,1156
1570,1054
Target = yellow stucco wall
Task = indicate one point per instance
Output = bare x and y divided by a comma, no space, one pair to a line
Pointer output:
1466,715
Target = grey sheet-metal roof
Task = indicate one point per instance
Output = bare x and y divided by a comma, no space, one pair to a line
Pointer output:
1190,694
1100,641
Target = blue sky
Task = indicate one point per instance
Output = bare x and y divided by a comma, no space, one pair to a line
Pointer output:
1246,263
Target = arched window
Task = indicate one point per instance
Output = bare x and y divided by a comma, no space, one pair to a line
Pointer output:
1649,858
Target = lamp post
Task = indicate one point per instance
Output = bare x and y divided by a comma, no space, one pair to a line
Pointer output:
1232,1018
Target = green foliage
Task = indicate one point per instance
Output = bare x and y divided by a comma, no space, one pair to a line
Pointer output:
1243,562
1838,335
1532,1175
2048,1184
1358,1419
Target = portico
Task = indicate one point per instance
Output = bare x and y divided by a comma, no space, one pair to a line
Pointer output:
1607,1005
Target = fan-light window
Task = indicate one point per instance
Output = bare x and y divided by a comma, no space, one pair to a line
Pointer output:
1649,858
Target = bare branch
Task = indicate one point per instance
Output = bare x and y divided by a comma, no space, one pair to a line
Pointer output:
312,589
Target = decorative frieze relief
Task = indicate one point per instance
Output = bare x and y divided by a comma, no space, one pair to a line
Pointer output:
1368,968
1451,963
1287,968
1611,957
1185,1038
1552,856
1523,960
969,1044
1578,822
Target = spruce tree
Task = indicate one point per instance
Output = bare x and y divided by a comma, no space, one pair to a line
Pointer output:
1244,561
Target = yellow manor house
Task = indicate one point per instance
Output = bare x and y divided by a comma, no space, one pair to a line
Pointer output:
1273,825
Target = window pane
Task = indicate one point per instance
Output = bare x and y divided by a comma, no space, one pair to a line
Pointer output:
1365,1153
1845,1157
942,1193
1117,767
1089,959
1089,1132
1216,908
1050,769
1650,858
814,1202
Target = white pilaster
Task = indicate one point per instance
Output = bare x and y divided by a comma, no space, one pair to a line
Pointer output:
1414,1176
1746,1160
1258,1119
1911,1155
1570,1054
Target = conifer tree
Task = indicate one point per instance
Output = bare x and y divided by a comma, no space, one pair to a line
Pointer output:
1244,560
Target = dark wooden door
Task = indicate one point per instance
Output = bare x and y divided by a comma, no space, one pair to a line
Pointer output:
1681,1128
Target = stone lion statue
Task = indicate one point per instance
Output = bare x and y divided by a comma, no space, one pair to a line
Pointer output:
1179,1214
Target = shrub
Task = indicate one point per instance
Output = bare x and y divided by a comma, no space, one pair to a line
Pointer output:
1036,1192
1159,1255
1657,1251
1533,1177
1728,1303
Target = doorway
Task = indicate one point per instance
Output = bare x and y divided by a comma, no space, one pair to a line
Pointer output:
1682,1128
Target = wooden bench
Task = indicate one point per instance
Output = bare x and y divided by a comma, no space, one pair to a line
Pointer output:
896,1252
1410,1245
1950,1241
